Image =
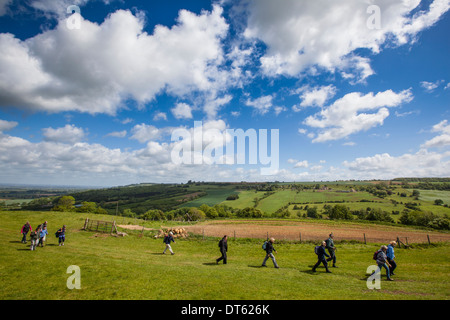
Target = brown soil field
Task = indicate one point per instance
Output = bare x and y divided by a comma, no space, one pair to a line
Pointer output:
291,230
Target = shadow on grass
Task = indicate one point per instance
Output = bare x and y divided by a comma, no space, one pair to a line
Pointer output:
210,264
257,267
16,242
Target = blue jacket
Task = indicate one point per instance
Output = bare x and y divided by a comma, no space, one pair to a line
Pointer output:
390,252
321,253
168,239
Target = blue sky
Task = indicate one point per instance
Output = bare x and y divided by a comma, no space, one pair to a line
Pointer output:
357,89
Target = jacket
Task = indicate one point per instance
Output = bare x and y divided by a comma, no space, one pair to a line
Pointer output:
321,253
223,245
390,252
381,257
168,239
26,228
269,247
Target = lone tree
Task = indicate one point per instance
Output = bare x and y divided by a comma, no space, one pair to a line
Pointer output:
65,203
438,202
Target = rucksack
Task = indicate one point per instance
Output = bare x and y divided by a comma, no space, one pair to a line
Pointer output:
57,234
375,255
264,246
316,250
220,244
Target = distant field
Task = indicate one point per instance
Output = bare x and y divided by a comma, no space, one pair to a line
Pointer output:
431,195
213,197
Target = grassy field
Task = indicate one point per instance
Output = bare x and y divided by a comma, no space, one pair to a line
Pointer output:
133,268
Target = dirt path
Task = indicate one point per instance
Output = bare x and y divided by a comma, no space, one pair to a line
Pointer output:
315,231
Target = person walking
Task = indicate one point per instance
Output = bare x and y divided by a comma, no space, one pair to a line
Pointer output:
391,257
223,247
321,254
44,225
331,249
61,234
269,253
34,238
24,231
167,239
383,263
42,234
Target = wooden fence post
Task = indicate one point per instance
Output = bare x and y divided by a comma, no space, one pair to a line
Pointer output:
365,242
300,237
428,236
399,243
234,235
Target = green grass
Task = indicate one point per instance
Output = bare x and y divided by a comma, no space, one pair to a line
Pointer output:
133,268
431,195
213,197
246,199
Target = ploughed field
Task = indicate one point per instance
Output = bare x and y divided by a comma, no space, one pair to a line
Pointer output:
294,230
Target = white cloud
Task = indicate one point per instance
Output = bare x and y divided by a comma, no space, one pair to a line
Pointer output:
317,96
7,125
442,140
420,164
160,116
67,134
95,68
118,134
261,105
350,114
144,133
431,86
301,164
447,86
335,29
279,109
182,111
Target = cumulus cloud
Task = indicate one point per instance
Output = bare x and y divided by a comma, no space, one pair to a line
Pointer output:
67,134
182,111
261,105
144,133
420,164
355,113
95,68
7,125
441,140
160,116
335,30
316,96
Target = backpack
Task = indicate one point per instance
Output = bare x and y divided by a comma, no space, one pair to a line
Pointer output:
375,255
220,244
264,246
57,234
316,250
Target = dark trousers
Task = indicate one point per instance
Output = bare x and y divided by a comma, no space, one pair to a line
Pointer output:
332,256
393,265
24,238
324,261
62,239
223,257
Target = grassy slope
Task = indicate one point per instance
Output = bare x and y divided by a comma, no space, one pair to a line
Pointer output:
133,268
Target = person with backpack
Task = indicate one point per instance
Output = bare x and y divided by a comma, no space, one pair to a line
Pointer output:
167,239
44,226
269,253
223,247
382,262
61,235
34,238
42,234
24,231
331,249
321,254
391,257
